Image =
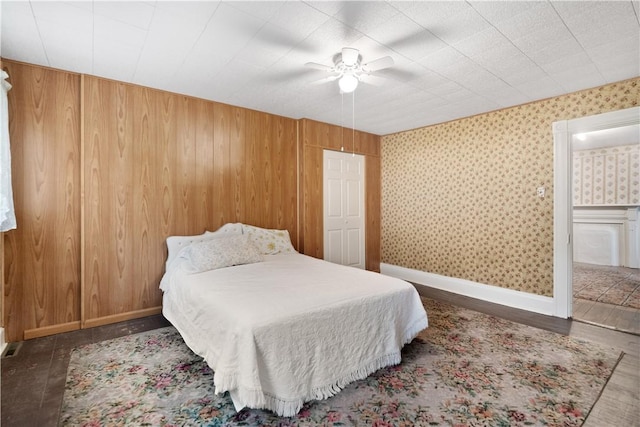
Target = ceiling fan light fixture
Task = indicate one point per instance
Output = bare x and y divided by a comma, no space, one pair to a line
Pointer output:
350,56
349,70
348,83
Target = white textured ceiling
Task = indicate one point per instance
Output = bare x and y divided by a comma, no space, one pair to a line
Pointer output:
452,59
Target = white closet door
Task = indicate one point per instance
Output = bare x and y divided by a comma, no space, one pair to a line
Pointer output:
343,190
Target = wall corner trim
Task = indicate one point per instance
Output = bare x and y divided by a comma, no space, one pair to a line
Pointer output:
495,294
3,344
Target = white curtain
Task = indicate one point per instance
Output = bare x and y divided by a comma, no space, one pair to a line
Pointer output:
7,213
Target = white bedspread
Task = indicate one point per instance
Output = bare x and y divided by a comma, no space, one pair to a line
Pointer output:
292,328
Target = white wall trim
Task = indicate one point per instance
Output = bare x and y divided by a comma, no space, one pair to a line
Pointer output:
562,220
481,291
3,344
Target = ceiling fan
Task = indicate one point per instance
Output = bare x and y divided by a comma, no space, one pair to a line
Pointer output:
349,69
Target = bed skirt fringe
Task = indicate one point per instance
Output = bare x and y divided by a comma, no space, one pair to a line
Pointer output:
415,328
288,408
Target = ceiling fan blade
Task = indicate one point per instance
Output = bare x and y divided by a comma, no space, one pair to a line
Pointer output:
324,80
378,64
350,56
372,80
317,66
288,76
399,75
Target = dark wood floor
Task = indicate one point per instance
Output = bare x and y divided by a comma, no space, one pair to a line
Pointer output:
33,379
611,316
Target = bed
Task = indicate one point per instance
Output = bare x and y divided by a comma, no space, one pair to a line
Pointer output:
279,328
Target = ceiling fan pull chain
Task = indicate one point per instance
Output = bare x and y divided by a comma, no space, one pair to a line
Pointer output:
342,120
353,124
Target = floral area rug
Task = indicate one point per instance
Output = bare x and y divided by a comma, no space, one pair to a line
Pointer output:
466,369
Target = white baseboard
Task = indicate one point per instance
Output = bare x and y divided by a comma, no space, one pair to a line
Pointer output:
3,343
481,291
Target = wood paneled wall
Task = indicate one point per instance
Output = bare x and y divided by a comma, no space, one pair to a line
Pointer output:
158,164
316,137
42,256
104,171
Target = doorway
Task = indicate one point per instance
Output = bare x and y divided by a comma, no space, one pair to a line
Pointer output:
344,214
595,215
606,279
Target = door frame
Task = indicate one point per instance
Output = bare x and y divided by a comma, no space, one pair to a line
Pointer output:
563,132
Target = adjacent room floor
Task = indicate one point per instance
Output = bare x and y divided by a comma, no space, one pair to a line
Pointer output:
607,296
33,379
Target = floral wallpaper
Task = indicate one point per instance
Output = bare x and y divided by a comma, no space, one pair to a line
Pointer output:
459,198
607,176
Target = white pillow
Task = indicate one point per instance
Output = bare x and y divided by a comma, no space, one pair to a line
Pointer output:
269,242
221,251
176,244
